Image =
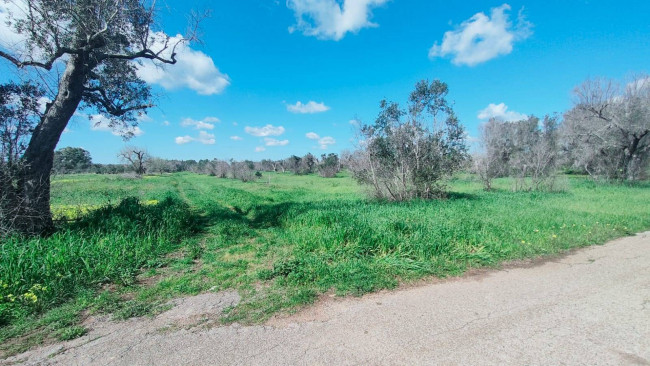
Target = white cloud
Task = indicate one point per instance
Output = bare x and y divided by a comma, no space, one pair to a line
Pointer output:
204,138
211,120
273,142
500,112
268,130
309,107
482,38
8,38
323,142
329,19
205,124
236,138
166,123
355,122
100,123
183,139
67,130
193,69
260,149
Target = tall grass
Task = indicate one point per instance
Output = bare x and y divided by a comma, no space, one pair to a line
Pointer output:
284,243
109,245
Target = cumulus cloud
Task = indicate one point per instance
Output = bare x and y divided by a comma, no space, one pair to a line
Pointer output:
100,123
273,142
183,139
236,138
482,38
193,69
205,124
323,142
309,107
500,112
203,138
331,19
260,149
268,130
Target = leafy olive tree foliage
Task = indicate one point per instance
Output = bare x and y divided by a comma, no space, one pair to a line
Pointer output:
527,150
19,113
329,165
72,160
406,154
607,132
97,42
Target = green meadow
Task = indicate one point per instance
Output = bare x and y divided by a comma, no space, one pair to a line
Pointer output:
125,247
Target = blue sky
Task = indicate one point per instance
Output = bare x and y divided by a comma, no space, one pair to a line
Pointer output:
344,58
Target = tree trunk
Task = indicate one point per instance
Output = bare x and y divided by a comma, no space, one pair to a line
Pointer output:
36,217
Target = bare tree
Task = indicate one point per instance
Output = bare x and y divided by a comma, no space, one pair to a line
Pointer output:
244,170
99,42
527,150
158,165
608,130
135,156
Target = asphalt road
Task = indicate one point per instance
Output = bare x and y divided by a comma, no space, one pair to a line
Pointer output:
591,307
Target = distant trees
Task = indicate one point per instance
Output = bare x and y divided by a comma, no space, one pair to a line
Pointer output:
71,160
329,165
136,157
527,150
244,170
406,154
607,132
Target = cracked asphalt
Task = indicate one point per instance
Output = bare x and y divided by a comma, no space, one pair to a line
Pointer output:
591,307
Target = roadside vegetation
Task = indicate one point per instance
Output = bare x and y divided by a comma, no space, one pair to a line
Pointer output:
281,245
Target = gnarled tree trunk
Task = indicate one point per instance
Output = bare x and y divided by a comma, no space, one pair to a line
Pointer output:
35,216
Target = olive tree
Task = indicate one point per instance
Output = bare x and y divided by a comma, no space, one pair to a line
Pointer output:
72,160
608,129
98,44
407,154
329,165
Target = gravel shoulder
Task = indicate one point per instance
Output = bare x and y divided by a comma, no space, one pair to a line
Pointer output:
590,307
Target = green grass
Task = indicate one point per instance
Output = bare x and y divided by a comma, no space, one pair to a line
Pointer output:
282,244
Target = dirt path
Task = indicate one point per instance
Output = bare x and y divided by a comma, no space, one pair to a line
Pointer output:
591,307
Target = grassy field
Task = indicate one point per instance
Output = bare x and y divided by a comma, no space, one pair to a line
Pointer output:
281,242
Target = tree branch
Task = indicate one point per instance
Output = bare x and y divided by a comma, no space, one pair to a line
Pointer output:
99,95
44,65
